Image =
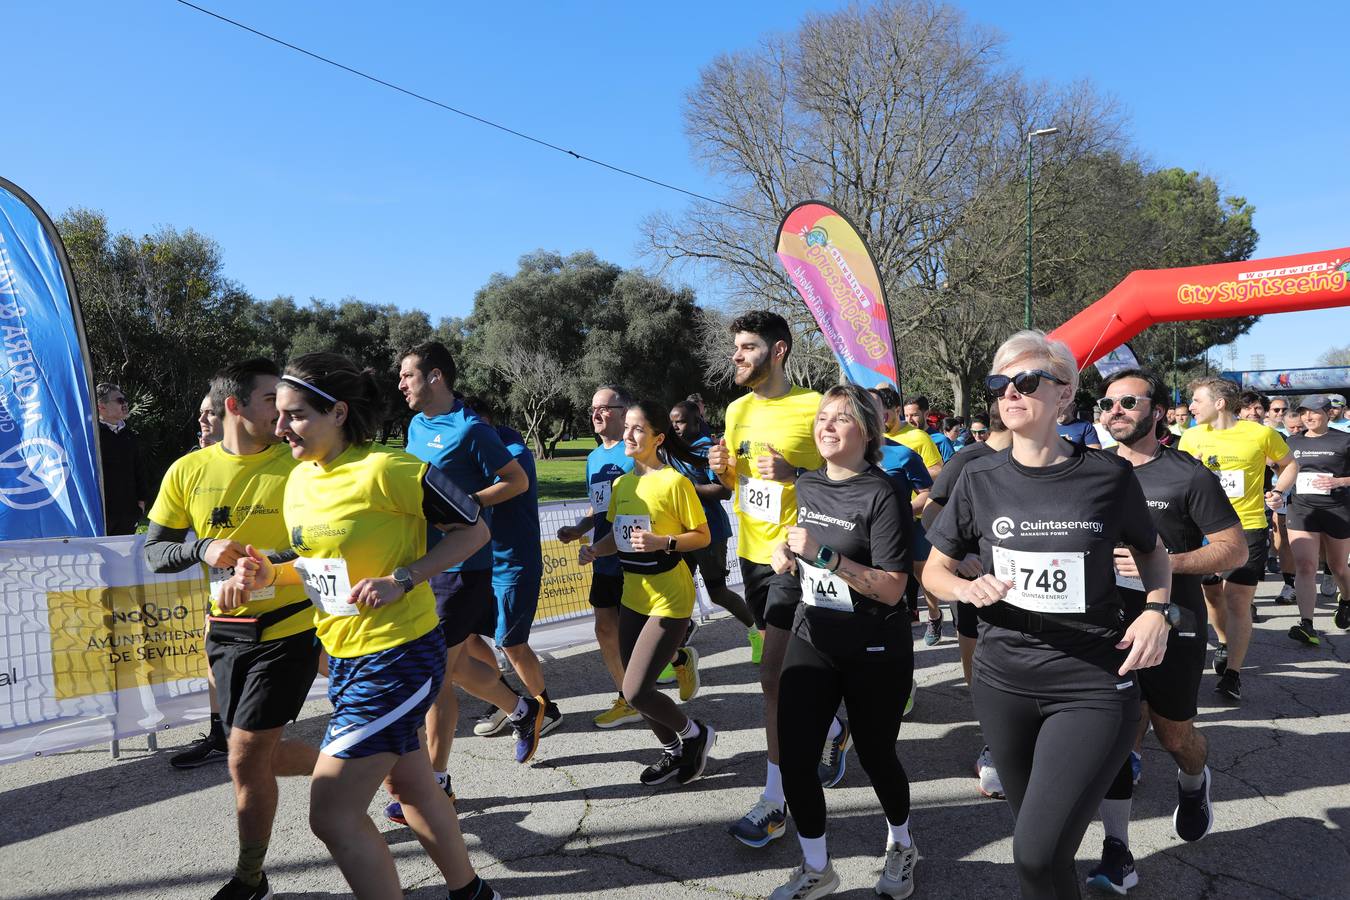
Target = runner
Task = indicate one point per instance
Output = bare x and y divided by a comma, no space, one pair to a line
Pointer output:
850,638
1053,685
449,436
1076,431
979,428
1339,420
210,428
1237,451
916,416
262,652
1291,426
1201,533
1252,407
995,439
768,442
604,464
1276,411
1319,516
358,512
1181,416
656,517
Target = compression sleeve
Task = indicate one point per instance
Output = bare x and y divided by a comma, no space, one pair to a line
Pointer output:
168,550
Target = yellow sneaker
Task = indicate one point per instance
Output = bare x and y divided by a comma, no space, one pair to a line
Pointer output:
617,714
756,639
687,675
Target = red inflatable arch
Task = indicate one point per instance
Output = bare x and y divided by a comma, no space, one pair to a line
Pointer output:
1227,290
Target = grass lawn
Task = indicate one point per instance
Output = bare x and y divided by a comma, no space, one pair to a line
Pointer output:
560,478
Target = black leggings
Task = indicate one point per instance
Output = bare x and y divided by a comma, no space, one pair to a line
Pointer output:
647,644
1056,759
874,687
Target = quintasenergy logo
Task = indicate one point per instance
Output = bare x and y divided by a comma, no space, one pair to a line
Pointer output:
33,473
1003,527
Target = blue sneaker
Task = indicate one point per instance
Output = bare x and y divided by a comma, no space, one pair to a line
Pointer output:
833,759
394,811
1136,767
766,821
1115,872
528,729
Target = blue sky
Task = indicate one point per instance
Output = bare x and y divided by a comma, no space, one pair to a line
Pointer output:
318,184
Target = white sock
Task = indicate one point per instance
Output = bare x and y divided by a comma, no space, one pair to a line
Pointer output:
1191,782
899,834
521,709
813,849
836,728
442,778
1116,819
773,785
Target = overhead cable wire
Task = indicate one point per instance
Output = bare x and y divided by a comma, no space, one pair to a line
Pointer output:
468,115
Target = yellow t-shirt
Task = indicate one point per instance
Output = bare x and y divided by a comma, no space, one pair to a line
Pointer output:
918,440
363,512
1238,456
764,509
663,502
238,498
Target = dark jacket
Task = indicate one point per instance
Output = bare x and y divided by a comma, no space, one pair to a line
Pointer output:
125,484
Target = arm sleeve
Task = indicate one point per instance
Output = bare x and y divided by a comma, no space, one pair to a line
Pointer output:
890,533
168,550
1209,508
955,532
1137,527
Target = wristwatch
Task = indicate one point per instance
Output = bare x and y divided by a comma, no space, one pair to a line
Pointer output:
826,557
404,577
1171,613
671,544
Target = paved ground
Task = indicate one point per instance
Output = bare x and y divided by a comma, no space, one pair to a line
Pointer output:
577,823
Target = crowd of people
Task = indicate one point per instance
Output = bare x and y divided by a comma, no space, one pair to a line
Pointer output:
1082,563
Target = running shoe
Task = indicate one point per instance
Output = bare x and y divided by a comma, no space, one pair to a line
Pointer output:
807,884
1136,767
990,784
1194,817
833,757
694,755
394,811
208,748
1328,585
667,675
689,634
619,712
933,633
1288,596
687,675
491,723
766,821
756,640
552,718
897,873
909,703
235,889
1256,617
1304,633
1220,659
661,771
1342,618
1230,684
1116,870
529,728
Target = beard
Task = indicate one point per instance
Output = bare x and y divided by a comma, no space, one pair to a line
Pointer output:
1138,432
755,377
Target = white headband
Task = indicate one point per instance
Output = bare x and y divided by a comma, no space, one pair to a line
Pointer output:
305,384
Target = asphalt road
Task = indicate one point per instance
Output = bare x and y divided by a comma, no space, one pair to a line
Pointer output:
576,822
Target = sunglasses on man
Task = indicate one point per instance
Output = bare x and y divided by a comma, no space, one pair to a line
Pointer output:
1126,401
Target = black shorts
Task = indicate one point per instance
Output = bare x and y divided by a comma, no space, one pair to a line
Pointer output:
1171,687
1254,569
263,685
1333,521
711,562
465,604
606,590
772,598
967,620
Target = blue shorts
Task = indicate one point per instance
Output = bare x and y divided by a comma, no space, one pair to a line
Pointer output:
919,547
517,593
380,699
465,604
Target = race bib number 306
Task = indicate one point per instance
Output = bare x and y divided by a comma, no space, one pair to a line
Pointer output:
760,499
624,526
327,585
1042,582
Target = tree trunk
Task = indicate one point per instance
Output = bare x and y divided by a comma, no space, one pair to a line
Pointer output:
556,437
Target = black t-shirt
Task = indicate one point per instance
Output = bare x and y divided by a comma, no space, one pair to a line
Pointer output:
1186,502
952,469
861,518
1325,455
1085,505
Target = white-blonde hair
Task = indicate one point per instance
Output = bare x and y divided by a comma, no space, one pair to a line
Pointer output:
1059,358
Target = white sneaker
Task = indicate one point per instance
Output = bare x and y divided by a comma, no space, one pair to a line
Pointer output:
990,785
807,884
1287,595
897,874
1328,585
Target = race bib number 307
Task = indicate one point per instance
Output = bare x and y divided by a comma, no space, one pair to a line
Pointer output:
327,585
761,499
1042,582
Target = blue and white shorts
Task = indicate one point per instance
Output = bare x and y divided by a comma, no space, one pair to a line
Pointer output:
381,699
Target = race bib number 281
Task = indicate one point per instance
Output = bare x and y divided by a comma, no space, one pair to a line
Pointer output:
761,499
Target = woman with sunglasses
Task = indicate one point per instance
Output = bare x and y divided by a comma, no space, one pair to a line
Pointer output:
1319,514
1053,684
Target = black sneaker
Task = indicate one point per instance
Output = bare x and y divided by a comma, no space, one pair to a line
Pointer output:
208,748
1342,617
1220,659
552,718
1194,817
694,755
1230,684
235,889
661,771
1116,870
1305,634
1256,618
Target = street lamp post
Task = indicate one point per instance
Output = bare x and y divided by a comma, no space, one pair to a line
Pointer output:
1034,133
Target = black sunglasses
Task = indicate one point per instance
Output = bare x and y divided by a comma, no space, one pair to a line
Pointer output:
1127,401
1024,382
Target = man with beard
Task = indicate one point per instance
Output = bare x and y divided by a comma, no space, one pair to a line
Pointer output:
769,441
1202,534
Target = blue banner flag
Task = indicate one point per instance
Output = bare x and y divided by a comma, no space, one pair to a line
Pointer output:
49,469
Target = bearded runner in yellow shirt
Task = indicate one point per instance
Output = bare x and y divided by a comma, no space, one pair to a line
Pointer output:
1237,452
768,443
263,653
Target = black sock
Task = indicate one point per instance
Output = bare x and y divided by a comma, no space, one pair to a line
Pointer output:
543,695
217,726
1307,624
471,891
681,657
1289,580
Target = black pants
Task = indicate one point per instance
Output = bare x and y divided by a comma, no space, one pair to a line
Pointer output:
874,686
1056,760
647,644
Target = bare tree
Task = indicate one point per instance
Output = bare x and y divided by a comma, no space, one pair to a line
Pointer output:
536,387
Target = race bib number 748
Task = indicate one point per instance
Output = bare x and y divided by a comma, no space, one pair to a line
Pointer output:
1042,582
